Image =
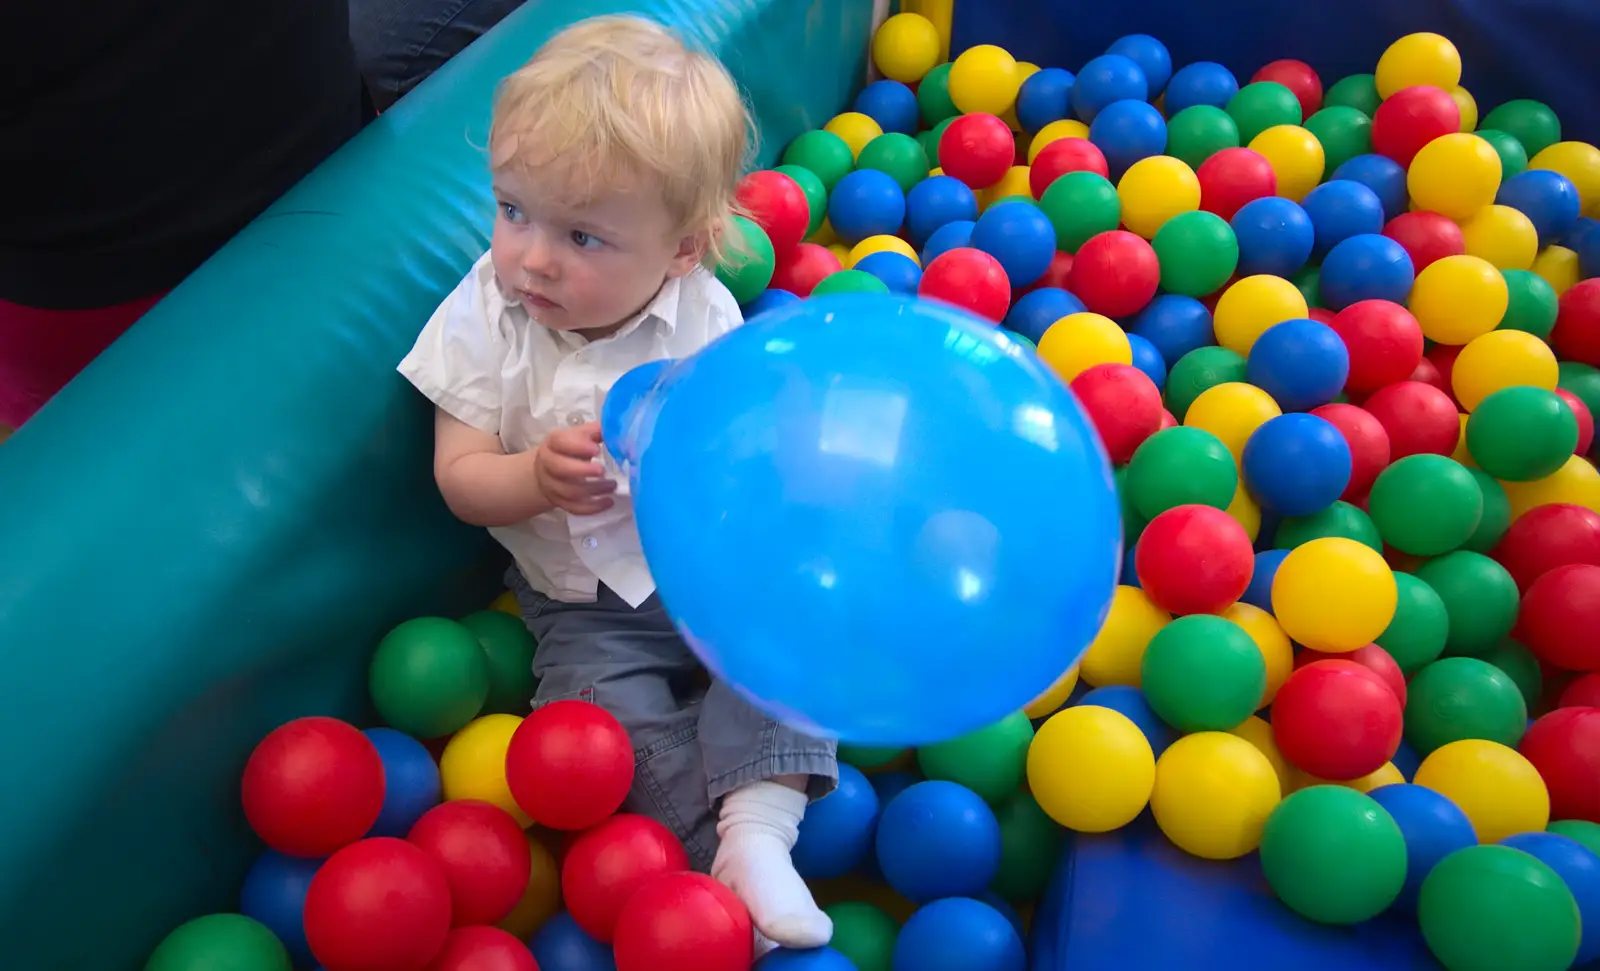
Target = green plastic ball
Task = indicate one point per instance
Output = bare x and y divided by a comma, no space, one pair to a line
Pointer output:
1513,157
1531,123
1333,855
1203,673
508,647
863,933
933,96
1262,105
1521,667
1582,830
991,761
1358,91
1339,519
1200,131
1479,596
1425,504
1309,282
1132,522
1344,132
220,942
1197,372
824,153
1463,697
1416,635
1080,205
1496,513
1532,305
1030,845
899,156
849,281
1494,908
1030,200
1522,433
1178,466
749,265
866,757
1583,381
1197,252
429,677
816,193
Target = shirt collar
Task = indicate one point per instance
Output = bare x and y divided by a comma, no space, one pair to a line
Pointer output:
662,308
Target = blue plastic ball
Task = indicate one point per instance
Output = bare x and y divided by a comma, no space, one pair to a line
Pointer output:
890,784
1365,267
1152,57
1036,310
1200,83
866,203
1407,759
1584,239
1149,360
1301,363
1340,209
769,299
946,238
411,784
899,272
1579,868
561,945
811,959
1105,80
891,104
836,833
1127,131
1383,175
1433,827
1296,464
274,893
1020,236
1130,701
1003,907
1548,199
1275,236
1266,537
938,839
1045,96
1130,573
1175,324
1259,592
937,201
958,934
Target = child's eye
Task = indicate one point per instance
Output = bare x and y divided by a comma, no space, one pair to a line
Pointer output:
583,240
511,212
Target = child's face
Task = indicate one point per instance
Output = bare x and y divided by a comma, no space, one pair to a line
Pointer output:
589,267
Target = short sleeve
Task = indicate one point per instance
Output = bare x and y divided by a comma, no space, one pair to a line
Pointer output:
457,359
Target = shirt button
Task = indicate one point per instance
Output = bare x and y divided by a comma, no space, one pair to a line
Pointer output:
574,419
589,542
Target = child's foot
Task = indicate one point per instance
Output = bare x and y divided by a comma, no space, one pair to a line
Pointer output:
759,826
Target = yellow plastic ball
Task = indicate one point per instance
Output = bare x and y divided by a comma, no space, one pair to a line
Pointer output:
824,236
1063,128
1091,769
1384,775
1503,236
1275,647
1580,163
1457,298
880,244
1232,411
1469,107
1455,174
1154,190
541,900
1257,732
1079,341
1054,696
906,47
1421,58
855,128
1576,482
506,603
1213,794
1334,594
1296,158
840,252
1501,359
1461,453
1499,790
473,764
1013,183
984,78
1117,652
1559,267
1253,304
1244,510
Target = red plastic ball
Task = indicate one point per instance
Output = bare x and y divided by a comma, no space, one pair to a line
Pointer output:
1426,236
1384,341
1585,418
1369,445
378,905
1194,559
970,279
1560,617
1062,156
1428,374
1372,657
1548,536
1576,336
1115,273
1582,692
483,949
778,205
1297,76
1565,747
1443,358
801,268
1336,720
1056,275
1418,417
569,765
978,149
1232,177
311,786
684,922
1123,404
1167,420
1411,118
605,865
484,853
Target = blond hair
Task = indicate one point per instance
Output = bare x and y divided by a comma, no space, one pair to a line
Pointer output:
618,98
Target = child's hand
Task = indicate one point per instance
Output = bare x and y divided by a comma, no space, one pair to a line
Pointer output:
569,473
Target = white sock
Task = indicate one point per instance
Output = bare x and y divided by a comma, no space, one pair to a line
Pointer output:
758,826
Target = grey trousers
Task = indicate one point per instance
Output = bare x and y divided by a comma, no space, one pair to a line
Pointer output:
694,741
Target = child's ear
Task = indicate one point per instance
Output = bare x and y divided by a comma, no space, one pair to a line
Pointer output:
691,250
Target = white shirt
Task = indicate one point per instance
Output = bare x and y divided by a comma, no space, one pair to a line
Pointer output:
486,363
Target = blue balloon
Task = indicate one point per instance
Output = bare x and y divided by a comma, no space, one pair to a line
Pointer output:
1579,868
1149,360
1175,324
863,413
866,203
1259,592
1036,310
1020,237
1296,464
1044,97
1275,236
1383,175
938,839
1301,363
958,934
1370,266
1548,199
836,833
1130,701
768,299
274,893
1201,83
937,201
1433,828
946,238
1105,80
561,945
1152,57
891,104
899,272
811,959
1340,209
411,783
1127,131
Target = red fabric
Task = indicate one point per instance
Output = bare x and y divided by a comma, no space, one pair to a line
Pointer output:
41,350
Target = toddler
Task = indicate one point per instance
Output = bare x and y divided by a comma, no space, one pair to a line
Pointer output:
615,153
